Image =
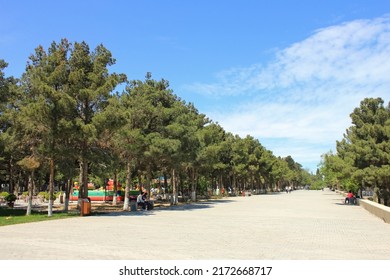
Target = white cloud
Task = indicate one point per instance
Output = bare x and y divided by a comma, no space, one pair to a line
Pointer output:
305,95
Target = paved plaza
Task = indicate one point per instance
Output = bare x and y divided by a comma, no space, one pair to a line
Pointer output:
302,225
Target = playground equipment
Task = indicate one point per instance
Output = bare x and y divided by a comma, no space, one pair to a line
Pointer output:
102,194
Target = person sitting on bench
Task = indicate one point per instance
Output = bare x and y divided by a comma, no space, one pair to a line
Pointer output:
141,200
350,198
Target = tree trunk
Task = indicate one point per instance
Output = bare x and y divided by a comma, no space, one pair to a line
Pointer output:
83,184
30,187
148,180
85,178
179,187
193,185
68,189
174,198
234,183
115,188
17,183
126,205
220,184
385,196
165,181
51,189
11,176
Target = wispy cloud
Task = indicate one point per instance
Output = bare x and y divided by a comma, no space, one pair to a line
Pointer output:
305,95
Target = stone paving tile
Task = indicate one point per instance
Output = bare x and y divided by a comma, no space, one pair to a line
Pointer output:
302,225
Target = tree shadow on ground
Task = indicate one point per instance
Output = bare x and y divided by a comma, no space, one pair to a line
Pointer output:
181,207
272,193
345,204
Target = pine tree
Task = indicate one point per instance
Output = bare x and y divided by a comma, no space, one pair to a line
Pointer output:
90,85
366,147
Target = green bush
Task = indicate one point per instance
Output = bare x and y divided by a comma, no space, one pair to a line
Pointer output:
45,196
41,195
10,197
4,194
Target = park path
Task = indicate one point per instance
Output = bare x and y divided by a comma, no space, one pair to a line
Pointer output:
302,225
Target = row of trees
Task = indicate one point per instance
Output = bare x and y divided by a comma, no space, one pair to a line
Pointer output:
61,120
362,159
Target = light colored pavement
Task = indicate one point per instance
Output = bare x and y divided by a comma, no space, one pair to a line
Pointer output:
303,225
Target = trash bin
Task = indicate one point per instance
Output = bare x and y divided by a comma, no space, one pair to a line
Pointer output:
85,207
133,206
133,203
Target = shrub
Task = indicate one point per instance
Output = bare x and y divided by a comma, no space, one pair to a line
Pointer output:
41,195
4,194
10,197
47,196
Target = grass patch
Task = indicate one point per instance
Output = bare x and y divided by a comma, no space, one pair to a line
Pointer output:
14,216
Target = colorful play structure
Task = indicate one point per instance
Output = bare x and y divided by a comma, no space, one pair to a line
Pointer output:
102,194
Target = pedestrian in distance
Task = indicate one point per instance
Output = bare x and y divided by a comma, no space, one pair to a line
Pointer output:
350,199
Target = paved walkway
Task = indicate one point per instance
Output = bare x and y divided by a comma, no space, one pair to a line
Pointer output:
303,225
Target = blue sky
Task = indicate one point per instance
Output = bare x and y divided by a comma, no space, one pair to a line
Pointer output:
286,72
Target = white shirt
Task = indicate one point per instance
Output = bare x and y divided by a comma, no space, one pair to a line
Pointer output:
140,199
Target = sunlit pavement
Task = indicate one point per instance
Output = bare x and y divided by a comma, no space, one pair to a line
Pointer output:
302,225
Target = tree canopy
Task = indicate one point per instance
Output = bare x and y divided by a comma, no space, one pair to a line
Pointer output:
65,115
363,155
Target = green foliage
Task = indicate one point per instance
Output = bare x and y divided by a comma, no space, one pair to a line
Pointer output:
202,185
363,155
18,216
46,195
10,197
53,196
3,194
64,120
317,185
